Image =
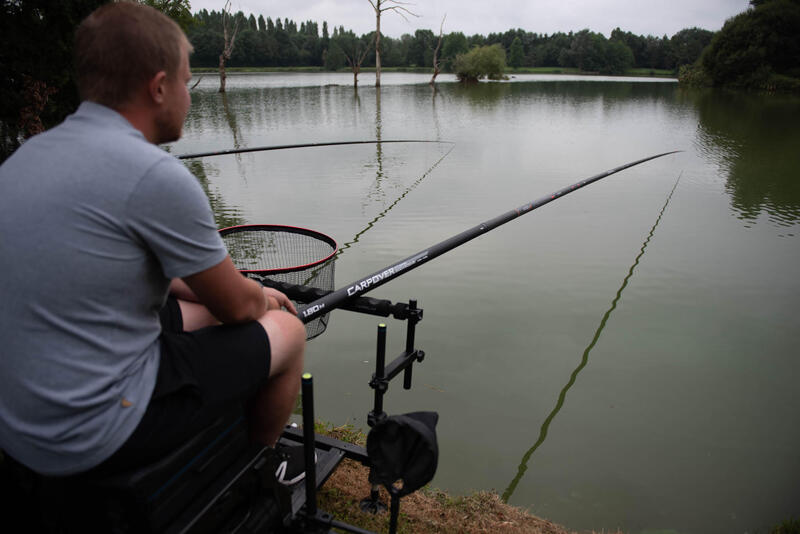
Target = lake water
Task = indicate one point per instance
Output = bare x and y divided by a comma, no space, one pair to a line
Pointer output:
625,357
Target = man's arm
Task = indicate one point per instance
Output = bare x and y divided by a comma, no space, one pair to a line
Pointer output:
179,290
229,296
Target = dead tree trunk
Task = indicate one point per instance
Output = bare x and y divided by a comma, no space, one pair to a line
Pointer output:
378,46
230,39
380,6
436,67
355,61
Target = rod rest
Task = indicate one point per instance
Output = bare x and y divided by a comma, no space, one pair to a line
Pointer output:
366,305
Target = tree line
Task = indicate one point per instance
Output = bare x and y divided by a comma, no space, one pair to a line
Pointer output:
264,42
757,49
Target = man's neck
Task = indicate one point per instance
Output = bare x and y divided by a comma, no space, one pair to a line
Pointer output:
141,119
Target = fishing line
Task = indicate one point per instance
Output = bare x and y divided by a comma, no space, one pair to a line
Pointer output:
383,213
340,296
378,217
523,466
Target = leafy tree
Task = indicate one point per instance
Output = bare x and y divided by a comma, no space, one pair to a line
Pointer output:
619,58
454,43
756,47
335,58
585,52
481,62
37,86
178,10
420,51
516,53
688,45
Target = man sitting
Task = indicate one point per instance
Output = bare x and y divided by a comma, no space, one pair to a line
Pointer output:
125,326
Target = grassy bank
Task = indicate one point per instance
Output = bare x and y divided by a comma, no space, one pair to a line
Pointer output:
428,510
661,73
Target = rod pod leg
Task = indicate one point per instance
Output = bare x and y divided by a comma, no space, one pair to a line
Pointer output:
309,445
395,512
373,504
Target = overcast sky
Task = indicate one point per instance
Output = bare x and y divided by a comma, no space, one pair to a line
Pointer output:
641,17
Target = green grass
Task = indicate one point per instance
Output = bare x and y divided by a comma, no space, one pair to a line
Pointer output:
664,73
789,526
542,70
214,70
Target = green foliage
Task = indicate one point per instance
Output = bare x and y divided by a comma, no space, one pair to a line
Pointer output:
37,87
177,10
481,62
693,76
516,53
280,43
453,44
618,58
687,45
592,52
756,46
420,50
789,526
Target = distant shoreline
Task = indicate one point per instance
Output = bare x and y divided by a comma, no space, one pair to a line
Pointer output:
654,73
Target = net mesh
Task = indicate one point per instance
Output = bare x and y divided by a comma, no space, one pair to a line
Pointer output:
297,256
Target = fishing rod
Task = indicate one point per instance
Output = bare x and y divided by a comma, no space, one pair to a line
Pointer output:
304,145
338,297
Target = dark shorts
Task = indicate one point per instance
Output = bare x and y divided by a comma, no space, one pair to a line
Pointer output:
201,375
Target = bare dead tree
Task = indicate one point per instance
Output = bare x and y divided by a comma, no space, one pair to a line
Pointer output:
436,66
230,39
356,59
380,6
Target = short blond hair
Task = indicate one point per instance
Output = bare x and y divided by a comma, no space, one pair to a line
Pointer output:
122,45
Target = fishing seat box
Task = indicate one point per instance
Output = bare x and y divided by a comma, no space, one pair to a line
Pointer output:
208,482
203,486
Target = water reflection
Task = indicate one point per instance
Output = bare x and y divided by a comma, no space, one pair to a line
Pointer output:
224,215
483,95
377,194
523,466
755,140
388,208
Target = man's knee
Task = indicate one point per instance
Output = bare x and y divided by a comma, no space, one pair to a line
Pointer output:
287,338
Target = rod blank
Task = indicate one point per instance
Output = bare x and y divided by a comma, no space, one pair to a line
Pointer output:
338,297
304,145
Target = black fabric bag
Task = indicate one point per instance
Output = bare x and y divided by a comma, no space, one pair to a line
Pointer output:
404,447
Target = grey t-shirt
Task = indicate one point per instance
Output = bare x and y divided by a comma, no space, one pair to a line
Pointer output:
94,222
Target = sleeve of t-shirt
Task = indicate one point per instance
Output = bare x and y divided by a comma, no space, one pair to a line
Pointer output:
170,213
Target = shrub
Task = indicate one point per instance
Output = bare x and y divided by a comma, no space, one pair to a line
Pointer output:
481,62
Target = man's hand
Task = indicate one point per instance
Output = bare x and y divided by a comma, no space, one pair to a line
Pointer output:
229,296
277,300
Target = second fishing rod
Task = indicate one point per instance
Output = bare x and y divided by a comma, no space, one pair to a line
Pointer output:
340,296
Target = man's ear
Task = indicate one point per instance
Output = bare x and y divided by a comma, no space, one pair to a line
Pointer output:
157,87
